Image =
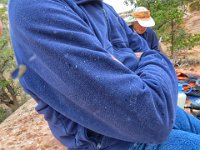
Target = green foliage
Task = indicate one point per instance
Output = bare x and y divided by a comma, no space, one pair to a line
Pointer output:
6,53
7,62
185,40
3,114
9,90
3,1
5,39
3,84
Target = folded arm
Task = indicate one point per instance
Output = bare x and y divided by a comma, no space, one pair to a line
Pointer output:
95,90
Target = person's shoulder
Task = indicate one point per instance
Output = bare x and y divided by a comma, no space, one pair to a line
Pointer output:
150,31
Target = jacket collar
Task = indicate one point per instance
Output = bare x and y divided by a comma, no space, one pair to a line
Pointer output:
86,1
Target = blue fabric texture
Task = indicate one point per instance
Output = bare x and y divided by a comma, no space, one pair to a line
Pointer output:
150,36
82,71
184,136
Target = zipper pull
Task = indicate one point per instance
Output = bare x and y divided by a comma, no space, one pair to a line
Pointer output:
19,72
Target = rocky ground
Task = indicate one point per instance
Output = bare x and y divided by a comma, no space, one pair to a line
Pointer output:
192,22
192,25
25,129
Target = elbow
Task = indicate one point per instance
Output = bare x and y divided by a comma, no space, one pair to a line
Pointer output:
160,136
150,134
160,128
157,131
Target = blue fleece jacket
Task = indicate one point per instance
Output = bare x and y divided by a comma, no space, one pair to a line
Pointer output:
85,77
150,36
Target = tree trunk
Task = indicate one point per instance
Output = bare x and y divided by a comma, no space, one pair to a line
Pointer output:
172,39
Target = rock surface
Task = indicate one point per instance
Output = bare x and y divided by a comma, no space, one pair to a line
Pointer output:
25,129
192,23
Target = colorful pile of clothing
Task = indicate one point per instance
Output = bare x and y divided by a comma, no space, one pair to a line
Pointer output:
190,81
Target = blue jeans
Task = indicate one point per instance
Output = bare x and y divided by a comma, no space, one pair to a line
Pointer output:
184,136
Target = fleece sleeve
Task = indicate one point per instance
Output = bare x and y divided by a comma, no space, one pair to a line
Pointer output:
85,83
155,42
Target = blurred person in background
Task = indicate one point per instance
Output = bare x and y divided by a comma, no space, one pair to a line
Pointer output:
141,22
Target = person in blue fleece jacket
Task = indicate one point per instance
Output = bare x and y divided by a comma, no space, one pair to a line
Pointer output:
77,59
148,34
141,22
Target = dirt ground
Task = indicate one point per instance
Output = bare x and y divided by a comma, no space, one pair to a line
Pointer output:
192,22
